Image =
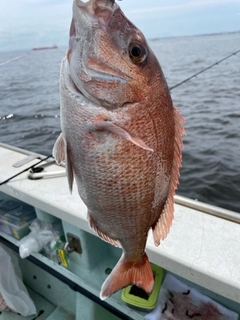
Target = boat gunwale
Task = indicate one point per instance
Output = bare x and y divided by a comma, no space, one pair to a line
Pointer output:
184,201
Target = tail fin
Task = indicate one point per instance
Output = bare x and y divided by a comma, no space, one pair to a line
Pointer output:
126,273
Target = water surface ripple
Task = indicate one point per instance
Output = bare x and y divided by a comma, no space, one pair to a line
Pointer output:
29,113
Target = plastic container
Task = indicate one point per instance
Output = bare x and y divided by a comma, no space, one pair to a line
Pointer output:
15,218
19,215
17,231
138,298
7,206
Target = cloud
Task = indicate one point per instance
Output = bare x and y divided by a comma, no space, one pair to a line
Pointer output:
28,23
185,17
175,6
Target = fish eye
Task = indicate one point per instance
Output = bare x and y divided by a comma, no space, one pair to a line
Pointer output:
137,52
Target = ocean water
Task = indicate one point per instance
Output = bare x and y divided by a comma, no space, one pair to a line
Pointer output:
210,103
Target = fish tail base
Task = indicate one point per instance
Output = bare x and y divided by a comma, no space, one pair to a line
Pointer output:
126,273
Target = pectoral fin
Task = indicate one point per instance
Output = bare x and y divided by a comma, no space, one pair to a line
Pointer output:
107,125
60,154
59,150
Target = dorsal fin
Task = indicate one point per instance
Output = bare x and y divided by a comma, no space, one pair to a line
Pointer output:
161,228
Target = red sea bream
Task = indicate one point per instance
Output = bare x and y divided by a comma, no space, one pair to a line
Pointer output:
121,136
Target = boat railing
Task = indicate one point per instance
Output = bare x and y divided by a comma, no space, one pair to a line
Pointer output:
207,208
187,202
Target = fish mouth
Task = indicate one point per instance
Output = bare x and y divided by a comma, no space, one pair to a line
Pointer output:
88,15
98,11
90,68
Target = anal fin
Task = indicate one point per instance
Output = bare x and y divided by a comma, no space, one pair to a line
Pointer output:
101,234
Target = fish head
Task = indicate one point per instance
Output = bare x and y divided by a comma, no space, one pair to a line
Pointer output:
109,59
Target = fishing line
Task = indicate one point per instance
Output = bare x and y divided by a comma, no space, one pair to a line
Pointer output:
203,70
14,59
31,167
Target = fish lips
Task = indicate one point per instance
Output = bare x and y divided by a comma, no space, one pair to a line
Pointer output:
87,14
97,11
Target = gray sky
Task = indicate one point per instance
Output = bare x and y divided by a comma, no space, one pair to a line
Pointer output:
31,23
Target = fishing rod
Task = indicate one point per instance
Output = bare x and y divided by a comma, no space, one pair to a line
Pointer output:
31,167
203,70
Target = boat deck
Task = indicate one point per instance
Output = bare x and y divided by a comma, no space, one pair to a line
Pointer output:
200,248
